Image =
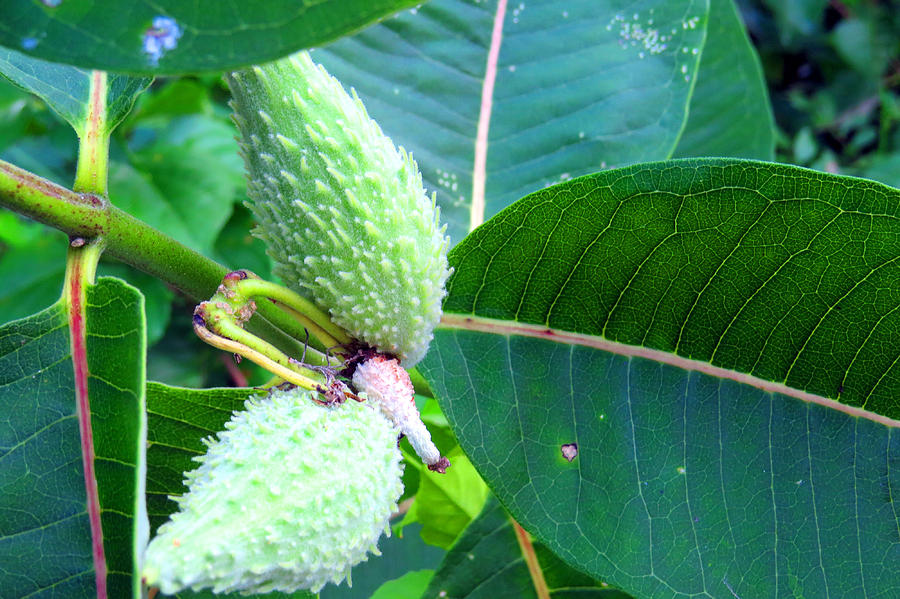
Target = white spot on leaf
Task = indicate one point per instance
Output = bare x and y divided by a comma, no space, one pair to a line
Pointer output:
162,36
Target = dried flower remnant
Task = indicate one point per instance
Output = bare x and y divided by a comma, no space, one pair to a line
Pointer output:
382,379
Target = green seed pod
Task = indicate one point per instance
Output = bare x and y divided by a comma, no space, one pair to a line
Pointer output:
343,212
289,497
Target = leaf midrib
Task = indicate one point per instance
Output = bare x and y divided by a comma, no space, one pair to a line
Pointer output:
479,168
470,322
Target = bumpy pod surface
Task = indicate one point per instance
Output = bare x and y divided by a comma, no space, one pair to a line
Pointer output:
289,497
342,211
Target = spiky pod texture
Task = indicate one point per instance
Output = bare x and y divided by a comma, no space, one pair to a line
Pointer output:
289,497
342,211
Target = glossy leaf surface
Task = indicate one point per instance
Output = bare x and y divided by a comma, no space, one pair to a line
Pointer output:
496,99
171,36
715,337
730,113
45,542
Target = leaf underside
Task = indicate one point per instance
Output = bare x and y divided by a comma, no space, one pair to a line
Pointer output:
191,37
67,89
577,87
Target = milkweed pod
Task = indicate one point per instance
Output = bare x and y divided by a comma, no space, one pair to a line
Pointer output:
290,496
341,209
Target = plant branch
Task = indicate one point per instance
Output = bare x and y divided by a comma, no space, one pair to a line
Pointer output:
88,215
78,214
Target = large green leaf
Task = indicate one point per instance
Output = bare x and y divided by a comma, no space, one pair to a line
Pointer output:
70,91
730,113
497,99
45,531
718,340
172,36
487,562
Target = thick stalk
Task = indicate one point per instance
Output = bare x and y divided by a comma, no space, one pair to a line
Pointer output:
78,214
307,313
93,147
88,215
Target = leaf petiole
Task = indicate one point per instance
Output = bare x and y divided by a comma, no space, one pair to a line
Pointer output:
310,317
236,340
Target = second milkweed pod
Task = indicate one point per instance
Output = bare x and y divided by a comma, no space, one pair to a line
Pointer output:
342,210
290,496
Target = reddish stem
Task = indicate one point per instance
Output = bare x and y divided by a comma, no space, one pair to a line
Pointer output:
77,330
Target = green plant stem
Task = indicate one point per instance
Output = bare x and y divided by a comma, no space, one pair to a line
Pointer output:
93,147
263,353
307,313
88,215
78,214
148,249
